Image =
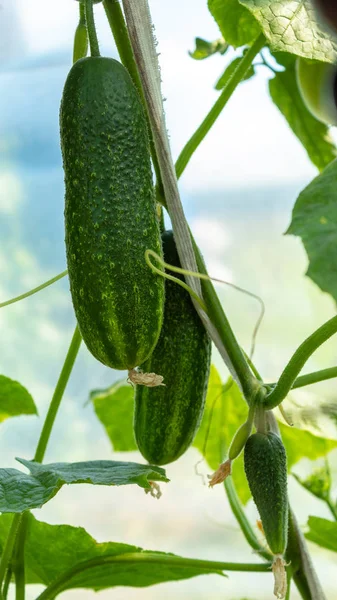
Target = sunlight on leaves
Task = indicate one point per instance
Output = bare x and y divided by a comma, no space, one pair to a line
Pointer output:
303,444
15,400
114,408
235,22
313,135
292,26
323,533
314,220
52,550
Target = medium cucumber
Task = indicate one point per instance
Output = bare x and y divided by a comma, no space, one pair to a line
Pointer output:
266,470
110,213
167,418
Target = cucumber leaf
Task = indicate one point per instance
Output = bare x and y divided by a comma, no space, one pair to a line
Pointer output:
237,25
300,443
323,533
204,49
229,71
314,219
292,26
20,491
313,135
52,550
114,408
15,400
224,412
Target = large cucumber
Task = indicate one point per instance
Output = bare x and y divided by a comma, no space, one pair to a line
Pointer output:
167,418
266,470
110,213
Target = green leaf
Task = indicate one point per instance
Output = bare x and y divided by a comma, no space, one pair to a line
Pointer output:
52,550
318,483
235,22
285,59
224,412
15,400
114,408
20,491
204,49
303,444
313,135
322,532
314,219
227,74
291,26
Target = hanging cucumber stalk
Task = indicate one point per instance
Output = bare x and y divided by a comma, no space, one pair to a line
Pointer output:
265,464
81,37
110,211
317,82
167,417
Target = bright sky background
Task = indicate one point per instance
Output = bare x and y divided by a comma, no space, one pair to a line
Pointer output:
250,144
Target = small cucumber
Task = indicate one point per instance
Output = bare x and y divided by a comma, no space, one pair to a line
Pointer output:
317,83
266,470
110,213
167,417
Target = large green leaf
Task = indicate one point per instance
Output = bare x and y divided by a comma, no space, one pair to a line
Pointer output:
52,550
313,135
20,491
235,22
225,411
303,444
314,219
291,26
323,533
114,408
15,400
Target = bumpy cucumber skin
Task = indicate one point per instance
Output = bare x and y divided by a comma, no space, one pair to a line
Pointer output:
266,471
167,418
110,213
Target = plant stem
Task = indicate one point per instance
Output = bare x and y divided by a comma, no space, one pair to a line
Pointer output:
34,290
58,394
120,34
297,362
241,518
80,49
332,507
322,375
18,562
147,559
9,546
92,34
7,582
221,102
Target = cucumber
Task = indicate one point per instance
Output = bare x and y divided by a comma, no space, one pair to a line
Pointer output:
110,213
266,470
317,83
166,418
